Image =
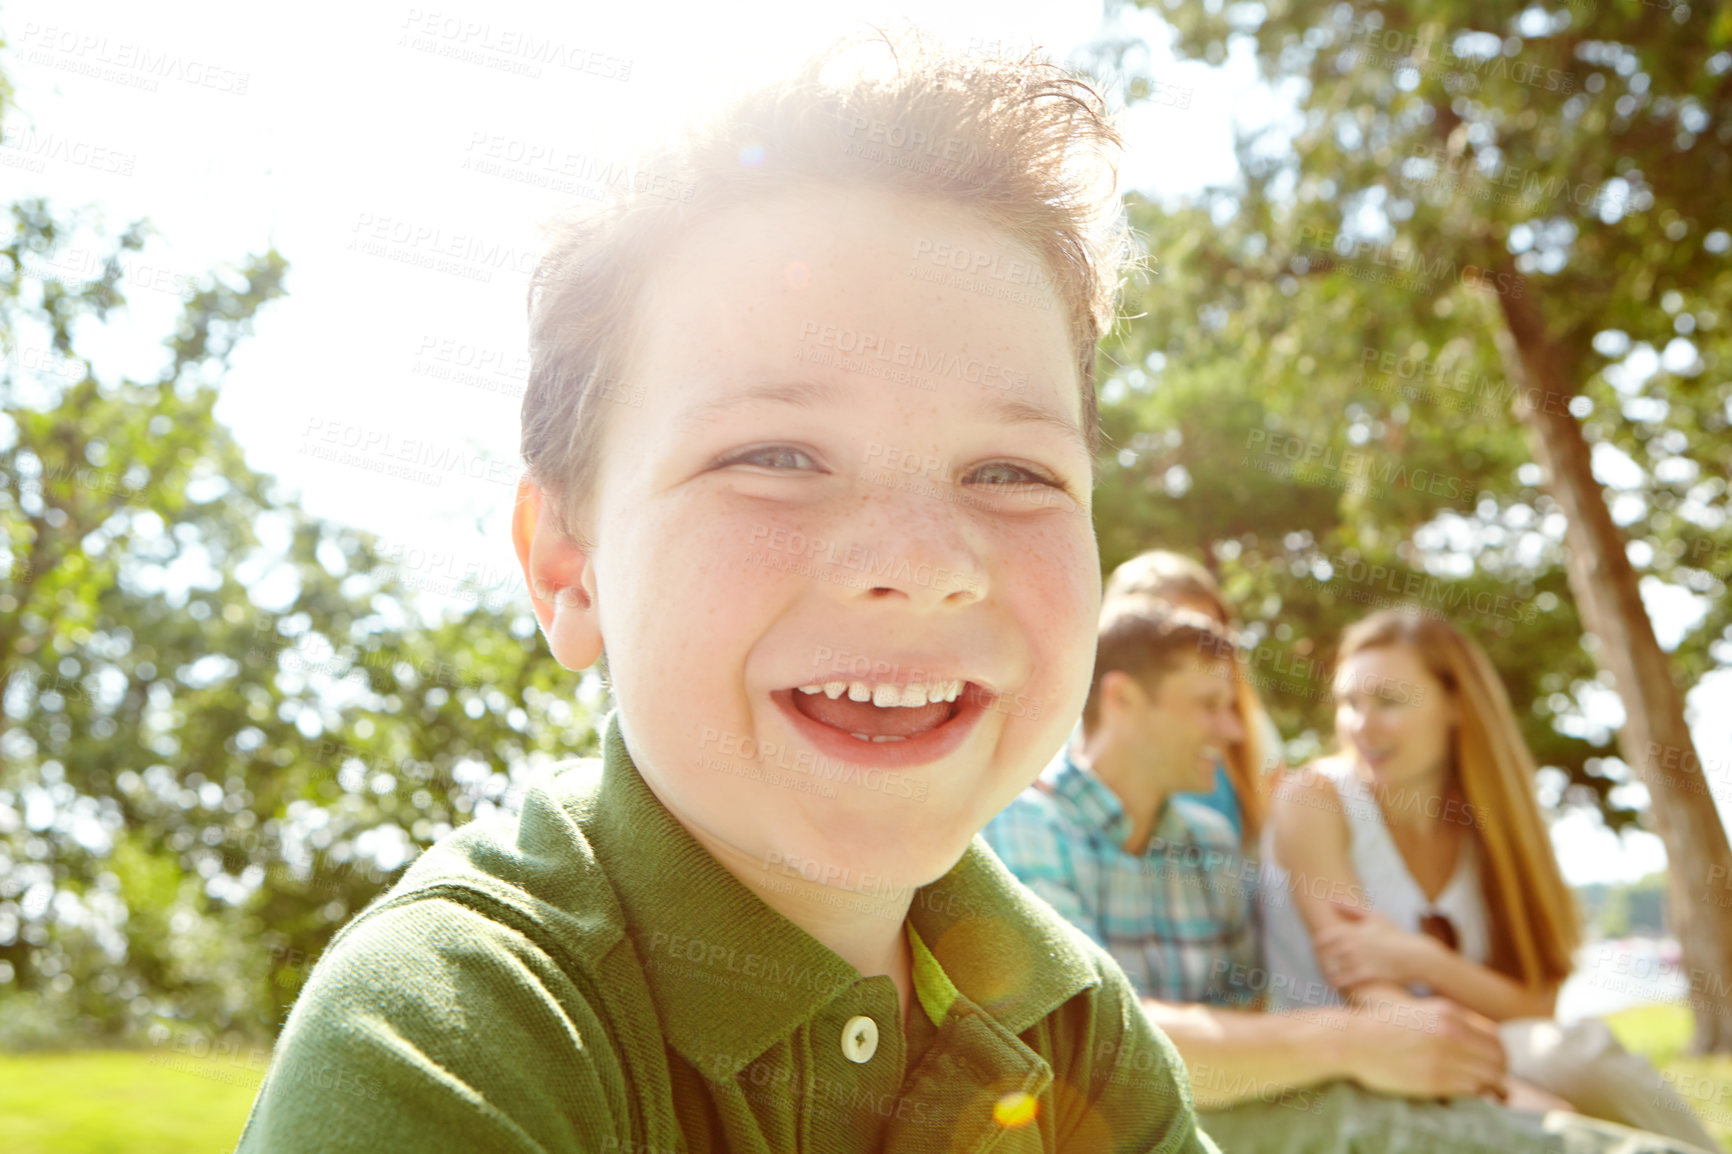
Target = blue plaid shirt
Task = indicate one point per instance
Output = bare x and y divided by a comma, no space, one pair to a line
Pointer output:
1180,918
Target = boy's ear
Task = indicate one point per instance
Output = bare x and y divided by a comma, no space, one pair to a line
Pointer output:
560,577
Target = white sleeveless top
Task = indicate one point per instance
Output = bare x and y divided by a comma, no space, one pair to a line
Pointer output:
1294,979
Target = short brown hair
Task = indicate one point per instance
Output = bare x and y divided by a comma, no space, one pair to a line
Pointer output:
1030,148
1148,639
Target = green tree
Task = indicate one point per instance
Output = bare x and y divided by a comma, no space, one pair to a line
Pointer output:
223,721
1479,286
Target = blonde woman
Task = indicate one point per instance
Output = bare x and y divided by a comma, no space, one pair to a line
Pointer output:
1415,861
1239,793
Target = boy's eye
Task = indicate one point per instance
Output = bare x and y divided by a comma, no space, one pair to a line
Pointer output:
777,457
1006,473
1019,486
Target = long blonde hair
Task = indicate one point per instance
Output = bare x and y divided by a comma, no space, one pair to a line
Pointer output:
1173,577
1532,914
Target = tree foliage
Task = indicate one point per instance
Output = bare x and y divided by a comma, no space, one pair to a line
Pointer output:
1311,393
225,723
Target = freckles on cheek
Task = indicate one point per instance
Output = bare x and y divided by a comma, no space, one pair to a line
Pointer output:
733,565
1055,580
1067,574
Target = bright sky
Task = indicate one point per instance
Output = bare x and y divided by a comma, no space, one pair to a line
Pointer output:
365,139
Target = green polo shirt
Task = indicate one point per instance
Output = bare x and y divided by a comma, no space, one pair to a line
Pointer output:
585,977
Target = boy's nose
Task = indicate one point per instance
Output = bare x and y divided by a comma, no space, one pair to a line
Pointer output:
926,585
904,548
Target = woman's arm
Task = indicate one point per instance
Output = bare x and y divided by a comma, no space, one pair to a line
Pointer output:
1484,990
1311,842
1359,952
1365,952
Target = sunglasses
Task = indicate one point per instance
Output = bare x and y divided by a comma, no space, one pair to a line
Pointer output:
1439,927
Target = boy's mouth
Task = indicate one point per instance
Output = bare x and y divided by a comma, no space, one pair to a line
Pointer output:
850,731
877,712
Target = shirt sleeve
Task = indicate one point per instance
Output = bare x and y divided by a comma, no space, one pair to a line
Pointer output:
430,1026
1026,841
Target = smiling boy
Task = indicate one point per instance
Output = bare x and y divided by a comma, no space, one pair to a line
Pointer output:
764,921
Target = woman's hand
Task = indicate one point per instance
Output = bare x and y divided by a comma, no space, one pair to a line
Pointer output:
1367,947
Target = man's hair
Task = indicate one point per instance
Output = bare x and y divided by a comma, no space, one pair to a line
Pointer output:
1174,577
1146,638
1023,145
1171,577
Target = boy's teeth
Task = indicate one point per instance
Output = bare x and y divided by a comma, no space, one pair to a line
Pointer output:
881,737
887,696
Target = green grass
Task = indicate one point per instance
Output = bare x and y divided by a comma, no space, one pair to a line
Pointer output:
122,1102
131,1102
1661,1033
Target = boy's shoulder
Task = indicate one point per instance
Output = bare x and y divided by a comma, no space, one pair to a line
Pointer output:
533,872
1100,1024
444,987
1006,918
499,932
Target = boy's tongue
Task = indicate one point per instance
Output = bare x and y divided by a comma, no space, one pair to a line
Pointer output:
872,720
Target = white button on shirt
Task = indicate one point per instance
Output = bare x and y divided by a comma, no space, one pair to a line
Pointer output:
860,1039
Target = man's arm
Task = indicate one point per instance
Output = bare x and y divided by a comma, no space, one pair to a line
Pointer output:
1433,1049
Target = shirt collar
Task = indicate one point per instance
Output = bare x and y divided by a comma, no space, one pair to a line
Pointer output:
1096,806
728,973
1092,801
1178,825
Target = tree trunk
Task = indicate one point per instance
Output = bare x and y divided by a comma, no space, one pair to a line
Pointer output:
1654,740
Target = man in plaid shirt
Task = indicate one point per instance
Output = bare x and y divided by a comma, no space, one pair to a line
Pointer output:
1155,878
1169,895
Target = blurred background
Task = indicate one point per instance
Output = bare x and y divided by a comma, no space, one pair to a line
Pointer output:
1435,310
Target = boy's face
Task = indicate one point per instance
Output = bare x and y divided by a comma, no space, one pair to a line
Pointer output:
843,471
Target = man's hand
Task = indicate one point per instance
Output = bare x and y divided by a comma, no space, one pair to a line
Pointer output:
1425,1048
